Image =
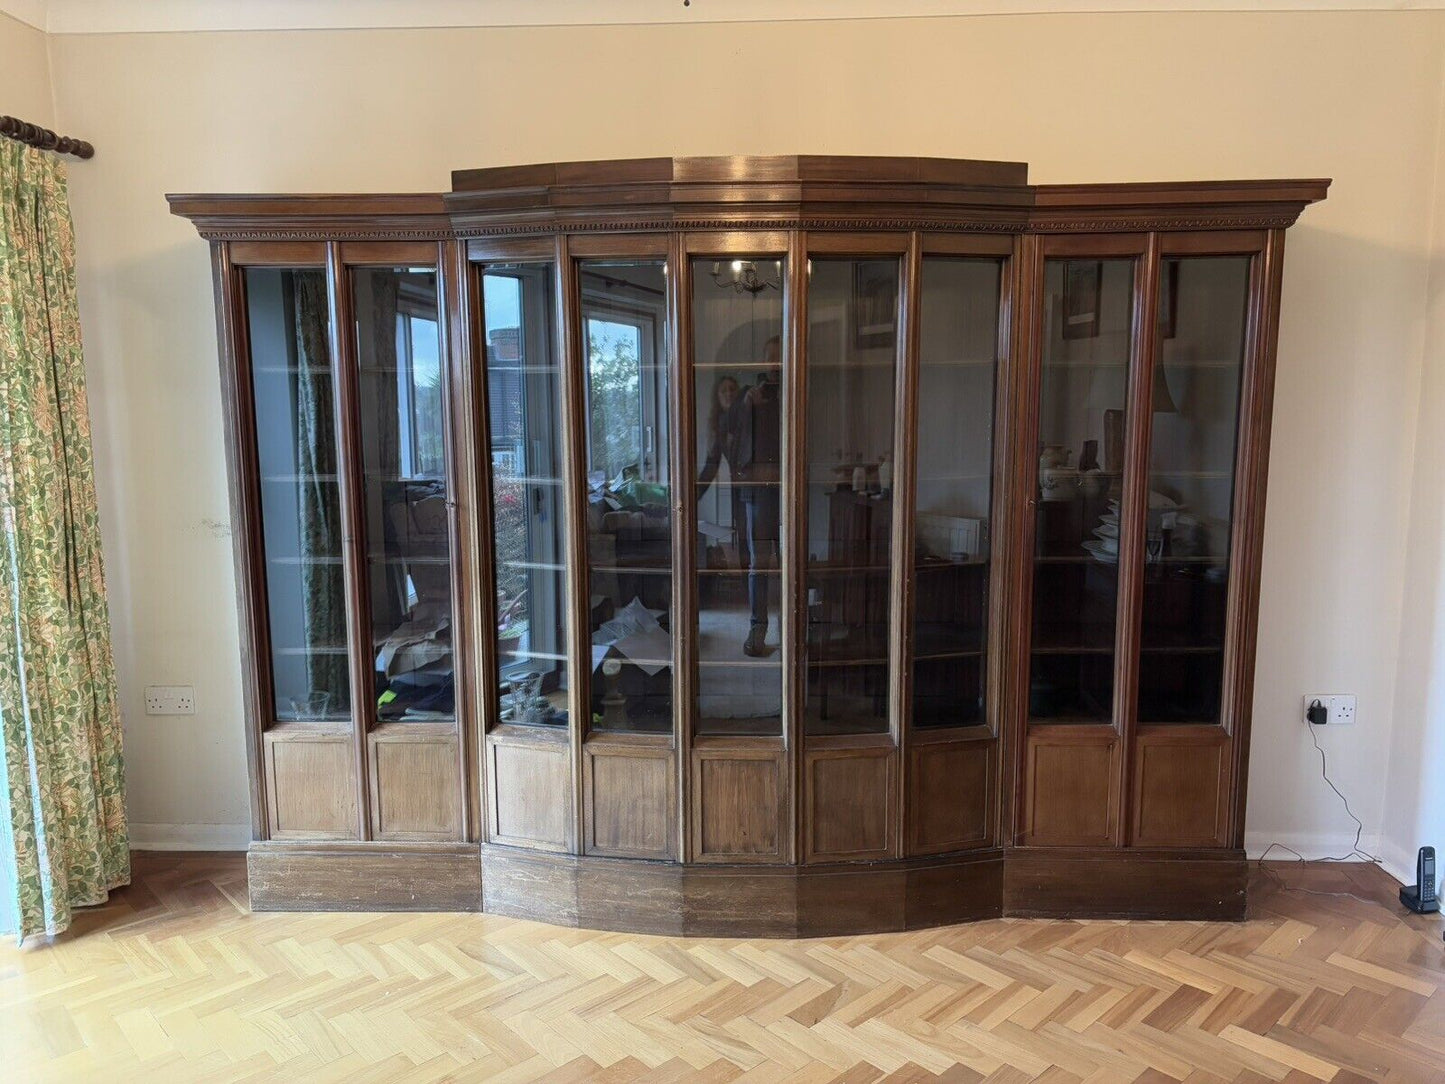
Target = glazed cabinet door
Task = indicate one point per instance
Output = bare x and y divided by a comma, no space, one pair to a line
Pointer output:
849,436
952,508
1079,496
1190,701
339,405
1149,372
284,408
401,485
738,349
528,695
625,364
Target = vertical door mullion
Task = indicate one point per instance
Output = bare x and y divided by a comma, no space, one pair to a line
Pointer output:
1001,541
1134,521
1023,499
238,398
463,481
349,468
1247,537
575,520
793,613
684,532
901,582
483,560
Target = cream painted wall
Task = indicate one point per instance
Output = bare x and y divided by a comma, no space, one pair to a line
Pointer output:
1083,98
25,73
1415,812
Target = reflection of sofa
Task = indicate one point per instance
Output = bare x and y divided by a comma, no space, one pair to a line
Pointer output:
414,668
630,554
623,541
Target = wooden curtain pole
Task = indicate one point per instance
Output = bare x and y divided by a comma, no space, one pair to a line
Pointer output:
44,138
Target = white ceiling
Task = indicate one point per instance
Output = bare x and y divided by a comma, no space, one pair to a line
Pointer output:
133,16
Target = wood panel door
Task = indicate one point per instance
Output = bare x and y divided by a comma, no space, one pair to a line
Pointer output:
399,478
952,500
738,341
1209,378
284,411
851,433
1149,362
526,431
1091,297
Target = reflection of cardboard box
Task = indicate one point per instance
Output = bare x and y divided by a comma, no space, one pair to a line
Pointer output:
950,538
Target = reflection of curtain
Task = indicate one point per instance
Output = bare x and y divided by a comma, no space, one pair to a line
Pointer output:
319,494
62,803
380,354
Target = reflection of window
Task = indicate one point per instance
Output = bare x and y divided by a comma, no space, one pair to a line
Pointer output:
525,423
419,395
614,397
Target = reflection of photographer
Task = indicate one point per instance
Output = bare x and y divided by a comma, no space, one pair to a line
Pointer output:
755,418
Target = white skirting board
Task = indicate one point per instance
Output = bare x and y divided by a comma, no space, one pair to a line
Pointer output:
189,837
1317,845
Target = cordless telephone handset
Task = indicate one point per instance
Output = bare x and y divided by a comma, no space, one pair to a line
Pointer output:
1420,897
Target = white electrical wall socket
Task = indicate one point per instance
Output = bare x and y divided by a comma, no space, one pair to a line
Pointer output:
1339,708
170,700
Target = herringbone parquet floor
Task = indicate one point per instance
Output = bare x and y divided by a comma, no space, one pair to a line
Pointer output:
175,981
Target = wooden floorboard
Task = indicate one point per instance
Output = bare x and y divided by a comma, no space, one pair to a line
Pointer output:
175,980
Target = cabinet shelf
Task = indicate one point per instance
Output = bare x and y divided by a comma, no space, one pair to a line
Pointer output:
524,480
373,559
292,370
957,363
536,370
754,664
945,656
734,366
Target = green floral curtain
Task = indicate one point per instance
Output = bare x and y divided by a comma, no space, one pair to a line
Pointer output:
62,801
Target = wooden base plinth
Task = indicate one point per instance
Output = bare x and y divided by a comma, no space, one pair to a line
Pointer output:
748,901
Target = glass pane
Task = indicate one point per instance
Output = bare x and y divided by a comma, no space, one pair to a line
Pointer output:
524,405
294,393
1203,309
403,452
958,355
1082,396
737,313
852,356
629,494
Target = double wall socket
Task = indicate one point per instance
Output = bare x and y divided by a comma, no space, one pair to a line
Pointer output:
170,700
1339,708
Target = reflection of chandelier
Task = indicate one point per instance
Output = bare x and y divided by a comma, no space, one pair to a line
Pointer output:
741,276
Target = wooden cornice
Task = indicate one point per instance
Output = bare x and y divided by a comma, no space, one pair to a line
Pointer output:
414,216
742,192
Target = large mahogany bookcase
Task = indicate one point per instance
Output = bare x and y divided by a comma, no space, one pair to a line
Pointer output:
750,545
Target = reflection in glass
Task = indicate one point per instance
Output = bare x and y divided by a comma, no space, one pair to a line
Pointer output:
403,450
1082,396
629,523
958,328
524,405
294,394
737,312
1203,306
852,356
